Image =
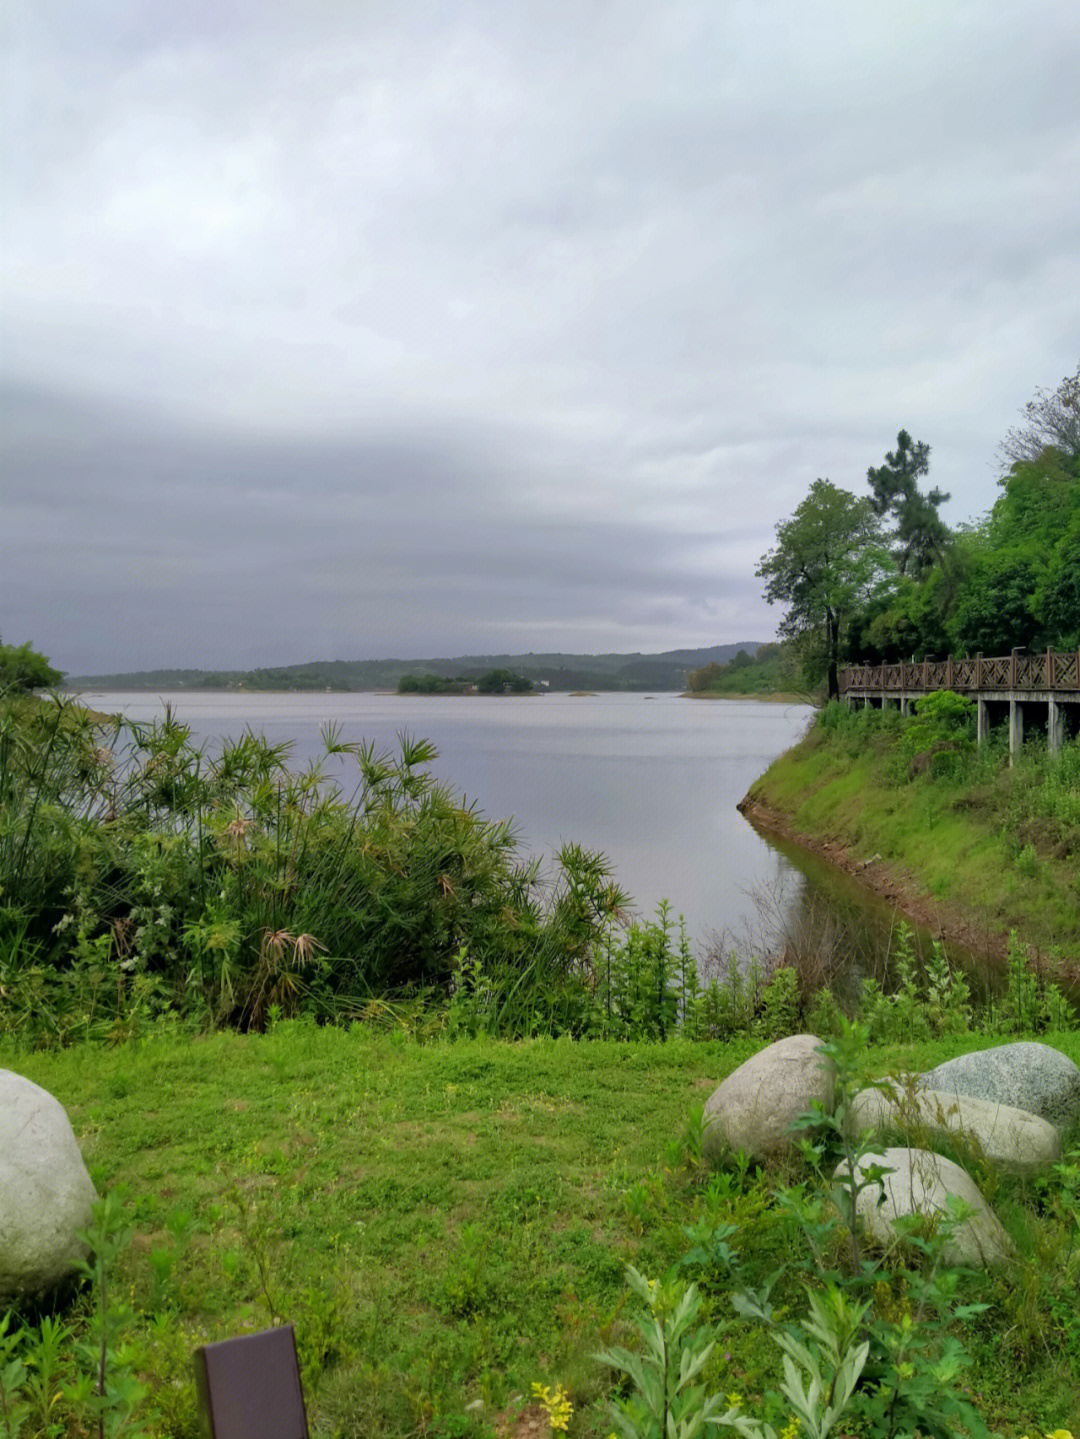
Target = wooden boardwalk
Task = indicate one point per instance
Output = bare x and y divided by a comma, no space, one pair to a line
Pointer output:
1036,688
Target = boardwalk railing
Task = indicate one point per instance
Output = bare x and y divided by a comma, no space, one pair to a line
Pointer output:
1053,672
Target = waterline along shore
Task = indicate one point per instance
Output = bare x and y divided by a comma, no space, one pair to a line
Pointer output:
955,837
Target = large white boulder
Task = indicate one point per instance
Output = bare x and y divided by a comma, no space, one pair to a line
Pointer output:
1000,1133
1030,1076
921,1182
754,1107
46,1195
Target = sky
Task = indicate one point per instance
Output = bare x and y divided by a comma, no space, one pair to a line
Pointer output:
353,330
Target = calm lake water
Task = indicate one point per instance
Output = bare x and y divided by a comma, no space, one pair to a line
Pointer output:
652,781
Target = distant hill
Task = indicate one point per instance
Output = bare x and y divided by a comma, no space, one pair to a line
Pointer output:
666,671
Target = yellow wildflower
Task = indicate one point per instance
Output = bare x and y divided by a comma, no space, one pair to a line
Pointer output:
734,1400
556,1405
791,1429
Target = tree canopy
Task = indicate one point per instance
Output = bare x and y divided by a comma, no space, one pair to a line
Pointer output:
825,561
23,669
885,579
921,534
502,681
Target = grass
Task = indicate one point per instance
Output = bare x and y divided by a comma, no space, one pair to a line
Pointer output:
1003,842
446,1224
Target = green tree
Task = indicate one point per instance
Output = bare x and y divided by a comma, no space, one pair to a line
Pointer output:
1022,587
23,669
921,534
822,567
500,682
698,681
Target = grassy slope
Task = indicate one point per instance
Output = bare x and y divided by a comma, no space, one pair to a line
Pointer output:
444,1223
959,843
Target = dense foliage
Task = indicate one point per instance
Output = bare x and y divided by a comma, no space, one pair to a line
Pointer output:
903,585
22,669
429,684
139,874
774,670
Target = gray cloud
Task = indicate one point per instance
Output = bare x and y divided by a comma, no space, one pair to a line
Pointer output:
415,329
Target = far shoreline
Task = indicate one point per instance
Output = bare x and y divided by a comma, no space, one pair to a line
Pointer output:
776,697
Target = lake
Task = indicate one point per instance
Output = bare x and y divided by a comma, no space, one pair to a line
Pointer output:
652,781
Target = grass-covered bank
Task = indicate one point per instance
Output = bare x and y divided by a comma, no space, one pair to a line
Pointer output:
950,832
450,1223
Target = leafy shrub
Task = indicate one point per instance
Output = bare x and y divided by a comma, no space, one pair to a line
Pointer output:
942,728
136,869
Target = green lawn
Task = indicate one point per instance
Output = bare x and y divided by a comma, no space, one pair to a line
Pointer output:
446,1224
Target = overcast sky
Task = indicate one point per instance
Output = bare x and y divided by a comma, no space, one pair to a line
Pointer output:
347,330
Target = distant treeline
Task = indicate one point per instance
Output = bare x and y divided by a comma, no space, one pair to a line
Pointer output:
491,682
774,670
555,671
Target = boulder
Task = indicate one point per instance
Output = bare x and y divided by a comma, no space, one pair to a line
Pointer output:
921,1183
1007,1136
46,1195
754,1107
1033,1077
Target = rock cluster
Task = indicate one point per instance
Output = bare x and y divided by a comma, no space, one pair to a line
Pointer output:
1032,1077
46,1195
1008,1106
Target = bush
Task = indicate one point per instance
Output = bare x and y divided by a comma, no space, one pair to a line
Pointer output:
139,874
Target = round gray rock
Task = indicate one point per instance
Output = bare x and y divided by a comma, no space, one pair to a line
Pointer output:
46,1195
1034,1077
754,1107
920,1182
998,1132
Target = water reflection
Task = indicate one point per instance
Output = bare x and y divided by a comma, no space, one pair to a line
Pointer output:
838,925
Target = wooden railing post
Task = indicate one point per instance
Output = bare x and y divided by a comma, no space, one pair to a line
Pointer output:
978,670
948,672
1050,669
1012,670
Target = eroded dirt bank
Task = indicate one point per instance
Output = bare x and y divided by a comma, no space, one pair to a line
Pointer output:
948,921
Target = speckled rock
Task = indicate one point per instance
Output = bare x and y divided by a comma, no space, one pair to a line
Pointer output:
46,1195
1033,1077
921,1183
1002,1134
754,1107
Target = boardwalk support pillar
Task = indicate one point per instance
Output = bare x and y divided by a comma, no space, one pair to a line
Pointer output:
1055,726
982,730
1016,726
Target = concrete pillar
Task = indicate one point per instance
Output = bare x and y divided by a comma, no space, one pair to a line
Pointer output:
904,703
1016,726
982,729
1055,726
